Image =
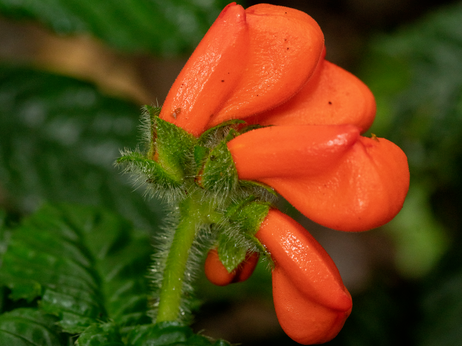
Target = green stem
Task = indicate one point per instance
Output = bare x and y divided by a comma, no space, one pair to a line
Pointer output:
171,290
194,211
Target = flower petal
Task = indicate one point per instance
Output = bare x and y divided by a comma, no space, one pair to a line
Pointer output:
217,274
290,151
365,191
302,319
332,96
311,301
285,47
303,260
211,73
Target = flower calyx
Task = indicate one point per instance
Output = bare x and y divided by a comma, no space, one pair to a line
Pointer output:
174,162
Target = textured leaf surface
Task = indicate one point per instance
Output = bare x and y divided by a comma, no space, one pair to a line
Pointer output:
59,140
29,327
84,265
106,334
162,27
169,334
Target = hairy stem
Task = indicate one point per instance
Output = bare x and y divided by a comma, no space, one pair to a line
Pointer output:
173,277
194,212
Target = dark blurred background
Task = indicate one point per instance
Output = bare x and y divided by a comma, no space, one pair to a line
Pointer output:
74,75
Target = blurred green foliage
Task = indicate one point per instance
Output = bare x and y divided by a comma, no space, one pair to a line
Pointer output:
156,26
416,75
59,138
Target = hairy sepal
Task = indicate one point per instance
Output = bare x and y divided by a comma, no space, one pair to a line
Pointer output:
149,173
172,147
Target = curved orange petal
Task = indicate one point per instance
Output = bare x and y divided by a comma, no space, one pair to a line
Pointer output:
290,151
217,274
211,73
366,190
285,47
302,319
304,261
332,96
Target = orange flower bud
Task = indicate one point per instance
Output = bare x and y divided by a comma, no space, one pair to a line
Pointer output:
311,301
217,274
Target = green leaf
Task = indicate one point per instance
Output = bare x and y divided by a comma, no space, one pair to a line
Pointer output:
162,27
105,334
84,264
59,140
29,327
168,334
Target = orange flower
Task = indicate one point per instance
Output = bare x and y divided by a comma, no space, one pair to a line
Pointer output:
248,62
310,299
265,65
328,172
219,275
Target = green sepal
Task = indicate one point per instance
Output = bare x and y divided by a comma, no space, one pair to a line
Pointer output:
149,171
251,128
260,189
219,174
231,252
244,220
200,154
170,145
248,215
153,111
217,133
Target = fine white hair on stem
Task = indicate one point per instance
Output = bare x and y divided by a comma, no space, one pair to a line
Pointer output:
162,243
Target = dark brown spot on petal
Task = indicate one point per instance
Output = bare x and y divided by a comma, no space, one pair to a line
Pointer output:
176,112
